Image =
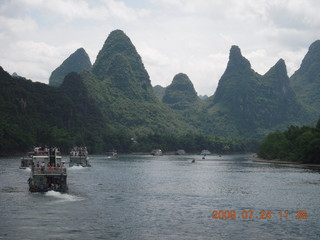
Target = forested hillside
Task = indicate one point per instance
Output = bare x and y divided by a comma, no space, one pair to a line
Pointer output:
76,62
248,104
306,80
113,105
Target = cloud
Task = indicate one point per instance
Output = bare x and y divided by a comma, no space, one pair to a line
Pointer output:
295,14
34,60
205,72
69,9
293,59
159,64
17,25
171,36
85,9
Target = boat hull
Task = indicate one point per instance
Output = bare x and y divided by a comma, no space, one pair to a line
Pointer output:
46,180
45,189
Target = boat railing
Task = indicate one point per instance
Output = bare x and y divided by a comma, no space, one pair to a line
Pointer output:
50,170
78,156
41,153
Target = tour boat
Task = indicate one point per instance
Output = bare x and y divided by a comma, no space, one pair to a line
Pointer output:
180,152
79,157
156,152
205,152
26,162
112,154
48,171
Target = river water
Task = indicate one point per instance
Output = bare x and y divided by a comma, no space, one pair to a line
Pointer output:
165,197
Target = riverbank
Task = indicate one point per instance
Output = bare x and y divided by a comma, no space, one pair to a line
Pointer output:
278,161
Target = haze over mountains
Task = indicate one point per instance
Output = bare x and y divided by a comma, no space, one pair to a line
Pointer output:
115,95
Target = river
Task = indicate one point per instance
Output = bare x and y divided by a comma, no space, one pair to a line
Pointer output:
164,197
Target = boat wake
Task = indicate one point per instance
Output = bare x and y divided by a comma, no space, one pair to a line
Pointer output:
63,197
76,168
10,190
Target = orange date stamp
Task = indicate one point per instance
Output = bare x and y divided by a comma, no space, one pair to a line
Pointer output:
263,214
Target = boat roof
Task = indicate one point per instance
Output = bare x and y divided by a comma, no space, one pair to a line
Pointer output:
45,156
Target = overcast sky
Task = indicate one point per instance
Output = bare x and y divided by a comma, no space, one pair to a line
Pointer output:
171,36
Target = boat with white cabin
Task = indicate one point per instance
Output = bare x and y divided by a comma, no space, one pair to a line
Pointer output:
48,171
79,157
26,162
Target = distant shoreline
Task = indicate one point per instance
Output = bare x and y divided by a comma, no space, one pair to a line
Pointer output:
278,161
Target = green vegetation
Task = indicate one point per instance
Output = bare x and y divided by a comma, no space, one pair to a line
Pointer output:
306,80
180,94
193,143
296,144
119,43
251,105
159,91
37,114
108,105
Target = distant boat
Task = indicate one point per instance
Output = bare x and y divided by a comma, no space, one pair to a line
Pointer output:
48,171
26,162
180,152
112,154
79,157
205,152
156,152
